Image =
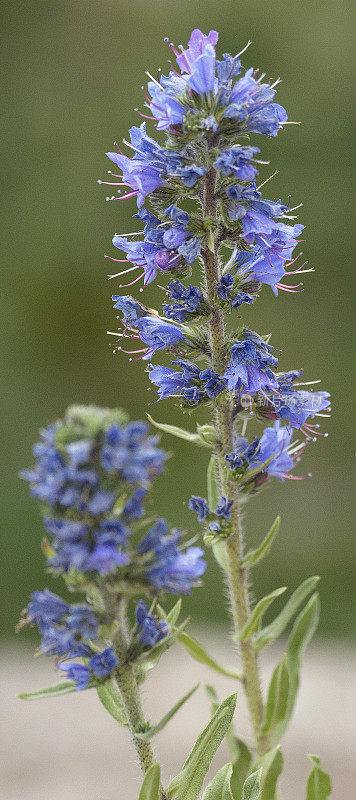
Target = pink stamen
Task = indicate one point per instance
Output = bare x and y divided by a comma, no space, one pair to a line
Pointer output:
143,350
287,286
125,285
293,477
117,147
144,116
126,196
285,289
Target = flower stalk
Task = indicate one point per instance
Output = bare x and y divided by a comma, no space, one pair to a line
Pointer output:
237,575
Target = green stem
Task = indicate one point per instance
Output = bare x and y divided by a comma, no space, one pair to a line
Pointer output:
237,574
127,682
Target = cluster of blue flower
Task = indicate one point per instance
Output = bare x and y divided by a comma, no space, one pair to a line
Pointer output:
68,631
92,473
205,106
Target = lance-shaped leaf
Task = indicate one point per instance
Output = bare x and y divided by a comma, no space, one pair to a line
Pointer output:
276,628
199,654
51,691
251,789
188,783
277,698
279,709
219,788
110,697
172,615
153,729
254,556
241,756
301,634
254,622
319,783
272,765
150,789
212,483
219,548
180,433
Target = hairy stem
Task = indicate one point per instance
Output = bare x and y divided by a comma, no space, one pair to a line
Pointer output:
237,574
127,682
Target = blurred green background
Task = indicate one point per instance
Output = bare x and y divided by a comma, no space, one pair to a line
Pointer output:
72,77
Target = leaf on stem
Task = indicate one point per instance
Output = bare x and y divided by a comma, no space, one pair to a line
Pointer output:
188,783
199,654
180,433
254,556
251,789
241,755
109,695
50,691
172,615
272,631
284,683
153,729
219,788
319,783
277,698
253,623
272,765
212,483
219,548
150,789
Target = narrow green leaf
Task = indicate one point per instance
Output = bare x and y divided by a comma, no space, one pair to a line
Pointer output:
277,698
302,631
180,433
253,623
301,634
199,654
220,553
241,758
153,729
319,783
151,784
254,556
188,783
213,486
110,697
50,691
212,696
272,631
219,548
251,789
219,788
272,765
172,615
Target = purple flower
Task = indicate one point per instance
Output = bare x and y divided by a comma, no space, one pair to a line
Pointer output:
223,508
198,44
273,445
199,506
150,629
102,664
45,608
158,335
77,673
131,308
202,79
250,367
236,161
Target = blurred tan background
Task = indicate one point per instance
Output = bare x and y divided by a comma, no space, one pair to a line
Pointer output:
72,72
